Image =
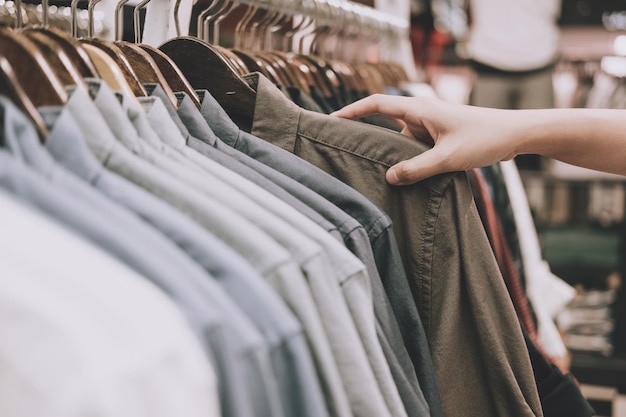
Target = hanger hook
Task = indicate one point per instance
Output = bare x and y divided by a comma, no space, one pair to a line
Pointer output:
304,22
202,16
176,18
266,40
208,18
310,28
44,13
19,23
74,18
218,21
261,24
119,15
90,8
242,25
137,19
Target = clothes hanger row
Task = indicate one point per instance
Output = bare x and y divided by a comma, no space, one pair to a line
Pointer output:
37,63
315,49
58,16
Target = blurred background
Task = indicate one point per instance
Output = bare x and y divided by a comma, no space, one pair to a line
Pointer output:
578,214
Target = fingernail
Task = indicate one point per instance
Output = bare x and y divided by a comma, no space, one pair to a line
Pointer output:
393,175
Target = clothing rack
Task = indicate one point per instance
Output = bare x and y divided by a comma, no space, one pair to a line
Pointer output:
166,19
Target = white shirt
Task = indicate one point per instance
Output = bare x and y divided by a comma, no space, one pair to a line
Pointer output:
548,293
84,335
514,35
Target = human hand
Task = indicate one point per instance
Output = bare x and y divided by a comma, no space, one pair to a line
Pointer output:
464,137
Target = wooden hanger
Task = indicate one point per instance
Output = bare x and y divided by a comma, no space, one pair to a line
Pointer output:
235,60
325,78
57,58
172,73
11,87
285,78
121,61
301,72
205,68
108,69
33,72
256,64
146,69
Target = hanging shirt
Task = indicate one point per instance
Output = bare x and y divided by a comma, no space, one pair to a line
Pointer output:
74,341
249,384
291,359
325,283
371,239
454,278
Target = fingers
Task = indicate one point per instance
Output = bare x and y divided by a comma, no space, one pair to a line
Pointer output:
416,169
391,106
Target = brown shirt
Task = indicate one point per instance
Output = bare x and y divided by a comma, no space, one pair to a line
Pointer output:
480,358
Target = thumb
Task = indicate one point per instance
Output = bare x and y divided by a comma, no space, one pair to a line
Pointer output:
416,169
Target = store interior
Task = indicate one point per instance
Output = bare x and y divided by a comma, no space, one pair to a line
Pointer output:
579,215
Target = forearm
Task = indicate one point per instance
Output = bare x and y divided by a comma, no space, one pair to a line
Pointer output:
591,138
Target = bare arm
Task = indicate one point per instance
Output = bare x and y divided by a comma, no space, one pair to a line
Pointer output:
466,137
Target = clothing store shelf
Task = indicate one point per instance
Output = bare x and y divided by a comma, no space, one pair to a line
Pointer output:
598,370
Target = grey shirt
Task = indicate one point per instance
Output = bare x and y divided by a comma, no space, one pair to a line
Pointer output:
72,202
398,322
299,297
352,278
204,131
291,359
267,257
252,374
326,283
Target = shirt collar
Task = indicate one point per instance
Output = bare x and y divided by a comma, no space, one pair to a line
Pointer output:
273,112
157,91
67,145
198,126
217,118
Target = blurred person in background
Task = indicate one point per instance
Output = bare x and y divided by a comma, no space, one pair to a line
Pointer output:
513,46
